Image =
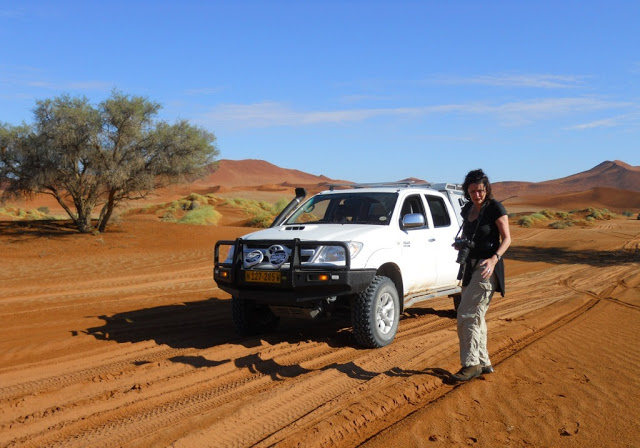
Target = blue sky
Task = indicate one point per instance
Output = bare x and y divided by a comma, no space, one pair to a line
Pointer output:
363,91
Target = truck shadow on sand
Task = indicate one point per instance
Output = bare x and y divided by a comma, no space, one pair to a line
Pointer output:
206,324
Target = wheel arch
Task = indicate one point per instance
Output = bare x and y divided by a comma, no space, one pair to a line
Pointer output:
392,271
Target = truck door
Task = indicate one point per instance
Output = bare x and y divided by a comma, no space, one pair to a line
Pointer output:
418,254
444,229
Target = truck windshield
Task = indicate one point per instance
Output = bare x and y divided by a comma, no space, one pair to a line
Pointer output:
346,208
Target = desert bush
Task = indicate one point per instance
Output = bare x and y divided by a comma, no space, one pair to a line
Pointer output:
205,215
627,213
530,220
525,221
561,224
599,215
261,214
549,214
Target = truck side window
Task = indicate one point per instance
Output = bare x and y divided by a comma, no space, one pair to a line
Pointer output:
412,204
439,211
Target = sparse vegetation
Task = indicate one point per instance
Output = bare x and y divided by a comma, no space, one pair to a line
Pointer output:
562,220
205,215
261,214
203,210
40,213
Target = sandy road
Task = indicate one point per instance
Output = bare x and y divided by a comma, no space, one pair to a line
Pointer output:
123,340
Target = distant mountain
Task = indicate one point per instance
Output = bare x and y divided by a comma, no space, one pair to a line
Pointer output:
616,174
610,183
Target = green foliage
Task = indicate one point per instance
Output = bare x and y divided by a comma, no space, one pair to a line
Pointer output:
566,219
40,213
261,214
548,214
525,221
599,215
205,215
561,224
627,213
90,157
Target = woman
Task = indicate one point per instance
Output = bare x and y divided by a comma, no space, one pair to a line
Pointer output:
486,224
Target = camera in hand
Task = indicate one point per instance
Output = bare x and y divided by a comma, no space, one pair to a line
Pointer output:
464,246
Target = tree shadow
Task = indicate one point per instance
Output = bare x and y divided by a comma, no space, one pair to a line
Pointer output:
556,255
42,228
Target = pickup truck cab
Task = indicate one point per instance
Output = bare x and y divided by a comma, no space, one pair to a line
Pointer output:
371,250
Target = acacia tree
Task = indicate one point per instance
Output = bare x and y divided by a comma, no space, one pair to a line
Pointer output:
88,157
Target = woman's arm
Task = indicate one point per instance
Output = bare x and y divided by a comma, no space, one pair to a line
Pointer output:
505,236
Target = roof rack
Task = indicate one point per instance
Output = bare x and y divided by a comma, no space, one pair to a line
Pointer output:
446,186
403,184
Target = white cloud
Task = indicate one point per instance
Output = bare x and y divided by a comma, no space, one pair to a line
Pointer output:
272,114
547,81
618,120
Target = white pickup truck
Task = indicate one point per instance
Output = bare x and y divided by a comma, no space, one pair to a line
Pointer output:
372,250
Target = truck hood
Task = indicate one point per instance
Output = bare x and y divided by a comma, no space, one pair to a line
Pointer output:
320,232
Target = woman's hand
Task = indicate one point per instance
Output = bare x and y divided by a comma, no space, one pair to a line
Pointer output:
488,266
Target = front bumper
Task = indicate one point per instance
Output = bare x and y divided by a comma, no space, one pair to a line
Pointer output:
296,282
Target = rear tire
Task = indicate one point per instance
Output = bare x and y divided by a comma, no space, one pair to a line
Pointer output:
375,313
250,318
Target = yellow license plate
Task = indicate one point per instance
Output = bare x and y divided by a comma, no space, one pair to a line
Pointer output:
262,276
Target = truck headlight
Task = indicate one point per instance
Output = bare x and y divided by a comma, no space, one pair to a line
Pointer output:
334,254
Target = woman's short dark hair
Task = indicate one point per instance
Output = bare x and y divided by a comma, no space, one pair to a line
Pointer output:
476,177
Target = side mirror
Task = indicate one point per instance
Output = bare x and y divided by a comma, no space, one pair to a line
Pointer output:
413,221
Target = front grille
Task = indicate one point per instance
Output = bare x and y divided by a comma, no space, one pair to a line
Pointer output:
305,254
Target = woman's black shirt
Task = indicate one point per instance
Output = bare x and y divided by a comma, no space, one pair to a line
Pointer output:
486,237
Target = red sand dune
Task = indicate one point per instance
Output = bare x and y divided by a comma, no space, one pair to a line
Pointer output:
616,174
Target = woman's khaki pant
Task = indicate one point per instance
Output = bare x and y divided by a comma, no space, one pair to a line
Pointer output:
472,328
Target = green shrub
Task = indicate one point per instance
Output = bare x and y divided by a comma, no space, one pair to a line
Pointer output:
627,213
525,221
205,215
561,224
549,214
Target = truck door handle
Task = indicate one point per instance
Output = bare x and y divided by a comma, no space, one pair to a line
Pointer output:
431,240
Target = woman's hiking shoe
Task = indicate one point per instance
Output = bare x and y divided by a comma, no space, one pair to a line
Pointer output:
467,373
487,369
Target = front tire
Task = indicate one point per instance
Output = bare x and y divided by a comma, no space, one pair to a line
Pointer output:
375,313
250,318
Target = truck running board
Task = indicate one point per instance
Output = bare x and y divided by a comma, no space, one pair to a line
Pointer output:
420,297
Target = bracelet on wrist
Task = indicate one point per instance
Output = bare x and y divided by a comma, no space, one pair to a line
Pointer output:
498,256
